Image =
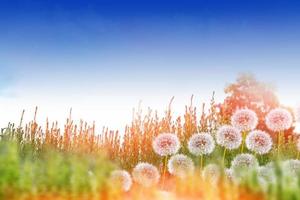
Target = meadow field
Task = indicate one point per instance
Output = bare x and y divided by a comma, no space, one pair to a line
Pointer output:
243,148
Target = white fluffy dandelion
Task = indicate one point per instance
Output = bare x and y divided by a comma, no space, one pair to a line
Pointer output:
279,119
244,162
212,173
291,166
121,178
230,176
166,144
266,173
259,141
201,144
244,119
270,165
145,174
291,171
229,137
181,165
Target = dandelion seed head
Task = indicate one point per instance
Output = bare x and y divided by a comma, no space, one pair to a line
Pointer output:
259,141
291,170
279,119
291,166
266,173
121,178
180,165
244,120
201,144
145,174
229,137
271,166
230,176
243,163
166,144
212,173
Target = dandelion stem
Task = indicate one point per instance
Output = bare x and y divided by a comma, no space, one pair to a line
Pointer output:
279,143
201,162
298,155
224,154
243,141
261,158
164,170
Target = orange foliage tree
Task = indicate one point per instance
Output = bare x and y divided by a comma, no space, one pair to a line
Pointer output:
248,92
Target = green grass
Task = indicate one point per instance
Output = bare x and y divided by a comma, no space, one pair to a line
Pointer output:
33,171
25,172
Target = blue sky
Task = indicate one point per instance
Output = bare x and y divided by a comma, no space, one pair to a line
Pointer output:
105,56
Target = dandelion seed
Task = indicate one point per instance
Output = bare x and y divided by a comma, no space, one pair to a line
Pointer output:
180,165
121,178
166,144
229,137
266,173
244,160
229,175
212,173
270,165
279,119
201,144
242,163
244,120
259,141
290,171
291,166
145,174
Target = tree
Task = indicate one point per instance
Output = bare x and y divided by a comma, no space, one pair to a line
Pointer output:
247,92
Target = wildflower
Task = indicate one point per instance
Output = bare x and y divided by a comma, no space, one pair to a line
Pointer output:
212,173
244,160
166,144
244,120
229,175
266,173
145,174
290,170
279,120
259,141
180,165
122,178
201,144
270,165
242,163
229,137
291,166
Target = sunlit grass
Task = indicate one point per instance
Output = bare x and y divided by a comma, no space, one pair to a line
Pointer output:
75,162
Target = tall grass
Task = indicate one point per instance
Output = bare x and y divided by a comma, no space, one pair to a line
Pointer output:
75,162
126,149
26,173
